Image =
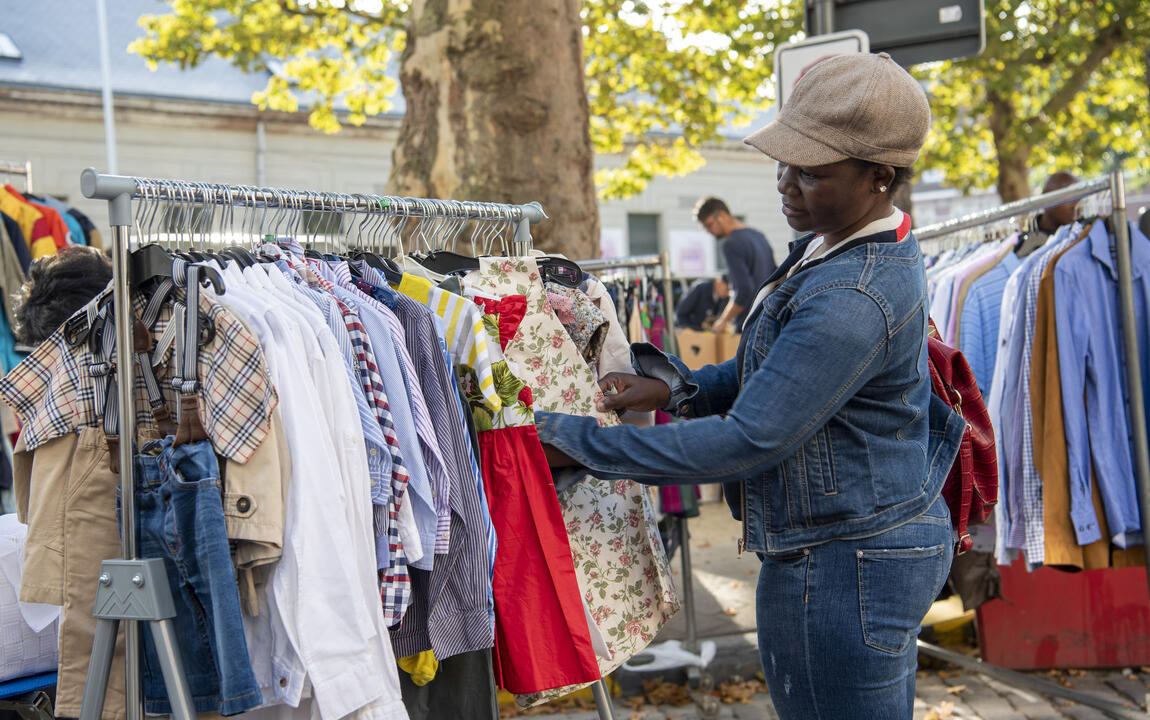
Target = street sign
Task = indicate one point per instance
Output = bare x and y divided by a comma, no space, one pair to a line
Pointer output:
792,58
914,31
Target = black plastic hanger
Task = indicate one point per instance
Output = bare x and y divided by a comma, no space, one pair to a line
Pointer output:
560,270
391,272
240,254
445,262
152,262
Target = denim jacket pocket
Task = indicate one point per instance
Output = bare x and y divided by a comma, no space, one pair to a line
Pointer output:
887,626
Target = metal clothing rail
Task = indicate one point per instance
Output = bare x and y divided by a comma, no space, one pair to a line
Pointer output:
662,260
1076,191
24,169
1116,184
119,191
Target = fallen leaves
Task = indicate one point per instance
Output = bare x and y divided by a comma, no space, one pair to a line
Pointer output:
956,689
738,690
942,711
659,692
730,611
576,702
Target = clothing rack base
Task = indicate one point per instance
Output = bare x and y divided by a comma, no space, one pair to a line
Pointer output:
135,590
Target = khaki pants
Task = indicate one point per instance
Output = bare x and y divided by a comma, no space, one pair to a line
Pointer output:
70,508
66,494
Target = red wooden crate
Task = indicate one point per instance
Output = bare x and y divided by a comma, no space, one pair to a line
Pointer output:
1054,619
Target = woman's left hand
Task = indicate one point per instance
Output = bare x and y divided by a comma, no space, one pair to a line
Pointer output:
556,458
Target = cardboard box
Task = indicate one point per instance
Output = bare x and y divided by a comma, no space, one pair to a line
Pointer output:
727,347
696,348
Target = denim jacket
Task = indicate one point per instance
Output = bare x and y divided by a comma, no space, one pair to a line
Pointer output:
823,426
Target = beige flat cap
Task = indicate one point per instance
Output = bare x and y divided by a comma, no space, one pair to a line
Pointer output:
849,106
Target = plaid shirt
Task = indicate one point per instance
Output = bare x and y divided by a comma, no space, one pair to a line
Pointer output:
395,578
52,393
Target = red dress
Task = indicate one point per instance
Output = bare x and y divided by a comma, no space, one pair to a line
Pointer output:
542,640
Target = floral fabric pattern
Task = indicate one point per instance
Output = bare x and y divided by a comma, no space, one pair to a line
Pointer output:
619,559
585,323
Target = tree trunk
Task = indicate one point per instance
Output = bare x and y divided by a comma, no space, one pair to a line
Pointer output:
1014,175
497,111
1013,154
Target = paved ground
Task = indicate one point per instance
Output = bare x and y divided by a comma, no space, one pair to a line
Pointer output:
724,588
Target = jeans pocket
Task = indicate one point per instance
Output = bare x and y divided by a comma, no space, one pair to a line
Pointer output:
896,588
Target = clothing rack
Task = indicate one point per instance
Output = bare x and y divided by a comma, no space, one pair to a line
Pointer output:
1010,210
661,260
24,169
1115,183
120,191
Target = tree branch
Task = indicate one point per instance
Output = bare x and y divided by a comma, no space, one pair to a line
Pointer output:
1106,43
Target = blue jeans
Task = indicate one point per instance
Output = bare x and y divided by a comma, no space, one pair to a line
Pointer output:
837,622
180,518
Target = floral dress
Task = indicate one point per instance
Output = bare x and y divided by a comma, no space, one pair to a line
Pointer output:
534,585
619,559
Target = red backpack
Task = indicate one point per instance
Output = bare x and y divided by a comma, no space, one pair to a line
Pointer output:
971,488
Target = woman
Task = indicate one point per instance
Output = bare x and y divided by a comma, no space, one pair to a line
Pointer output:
824,430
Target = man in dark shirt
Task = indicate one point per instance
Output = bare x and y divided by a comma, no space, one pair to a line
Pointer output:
703,303
1050,219
749,259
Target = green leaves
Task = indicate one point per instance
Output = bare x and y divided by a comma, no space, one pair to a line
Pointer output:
322,52
662,77
1061,86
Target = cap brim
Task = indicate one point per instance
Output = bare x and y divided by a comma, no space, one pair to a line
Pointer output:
790,146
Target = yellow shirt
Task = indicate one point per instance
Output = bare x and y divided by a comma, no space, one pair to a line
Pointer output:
28,218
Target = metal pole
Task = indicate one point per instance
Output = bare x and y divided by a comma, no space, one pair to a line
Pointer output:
1020,680
602,700
261,152
106,75
692,642
671,344
822,18
28,175
1134,388
125,366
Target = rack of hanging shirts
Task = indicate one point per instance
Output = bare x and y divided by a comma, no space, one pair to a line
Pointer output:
662,261
1113,231
498,276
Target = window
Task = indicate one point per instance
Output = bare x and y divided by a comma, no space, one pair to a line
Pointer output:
643,234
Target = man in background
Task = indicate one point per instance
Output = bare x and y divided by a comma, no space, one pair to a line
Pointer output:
704,302
1051,218
749,259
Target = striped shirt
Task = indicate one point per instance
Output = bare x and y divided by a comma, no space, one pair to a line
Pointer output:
425,428
466,338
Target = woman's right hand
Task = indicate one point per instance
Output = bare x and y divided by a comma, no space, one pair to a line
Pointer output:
633,392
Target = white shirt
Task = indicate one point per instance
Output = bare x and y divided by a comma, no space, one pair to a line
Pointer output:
324,622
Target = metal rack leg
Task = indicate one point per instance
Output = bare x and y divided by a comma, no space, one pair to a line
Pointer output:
692,642
603,700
